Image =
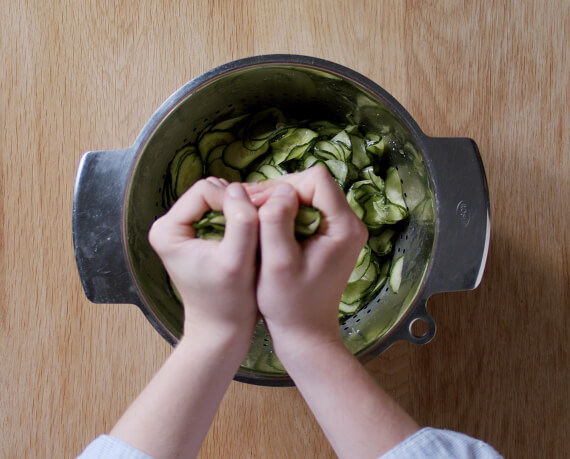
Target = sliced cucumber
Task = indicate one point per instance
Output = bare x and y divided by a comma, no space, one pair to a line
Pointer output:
269,364
215,153
396,274
213,139
338,169
219,169
355,291
262,127
236,155
310,161
325,128
265,145
213,224
185,169
394,192
378,214
343,138
375,145
364,260
293,145
327,149
368,173
271,172
307,221
354,204
255,176
359,156
381,244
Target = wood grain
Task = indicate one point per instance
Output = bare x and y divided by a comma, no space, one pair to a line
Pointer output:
80,75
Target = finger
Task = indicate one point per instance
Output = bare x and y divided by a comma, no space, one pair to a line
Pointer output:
313,186
218,181
279,248
192,205
316,188
240,236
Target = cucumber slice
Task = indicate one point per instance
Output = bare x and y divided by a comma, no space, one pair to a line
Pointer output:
375,145
382,244
327,149
325,128
347,309
262,127
269,364
354,204
310,160
357,290
255,176
394,192
218,168
359,156
236,155
190,170
213,223
216,153
293,145
343,138
213,139
307,222
362,263
379,214
271,172
338,169
368,173
396,274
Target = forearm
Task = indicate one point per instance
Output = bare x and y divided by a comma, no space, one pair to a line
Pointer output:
355,413
171,417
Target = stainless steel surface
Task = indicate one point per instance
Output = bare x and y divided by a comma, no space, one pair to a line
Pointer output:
445,239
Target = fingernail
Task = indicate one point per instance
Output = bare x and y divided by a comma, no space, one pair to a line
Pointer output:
283,190
236,191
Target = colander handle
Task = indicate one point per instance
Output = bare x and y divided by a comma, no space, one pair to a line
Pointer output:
462,214
100,187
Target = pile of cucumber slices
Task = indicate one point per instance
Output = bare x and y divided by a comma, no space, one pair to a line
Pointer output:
267,144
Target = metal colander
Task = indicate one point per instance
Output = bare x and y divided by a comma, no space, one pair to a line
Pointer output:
118,195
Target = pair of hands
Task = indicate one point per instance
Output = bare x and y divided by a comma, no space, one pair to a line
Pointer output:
260,268
295,286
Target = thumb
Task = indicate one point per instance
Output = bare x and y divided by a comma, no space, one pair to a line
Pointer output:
240,235
277,228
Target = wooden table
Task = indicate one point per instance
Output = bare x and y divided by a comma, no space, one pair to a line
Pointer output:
82,75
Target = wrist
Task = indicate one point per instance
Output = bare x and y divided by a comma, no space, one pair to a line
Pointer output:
218,337
293,345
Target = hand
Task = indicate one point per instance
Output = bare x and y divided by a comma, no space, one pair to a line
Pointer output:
216,279
298,292
300,284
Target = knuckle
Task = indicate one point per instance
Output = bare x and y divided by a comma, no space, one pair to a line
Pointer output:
201,185
275,211
318,173
231,268
156,234
245,216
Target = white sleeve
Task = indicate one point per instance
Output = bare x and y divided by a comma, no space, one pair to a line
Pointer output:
107,447
430,442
